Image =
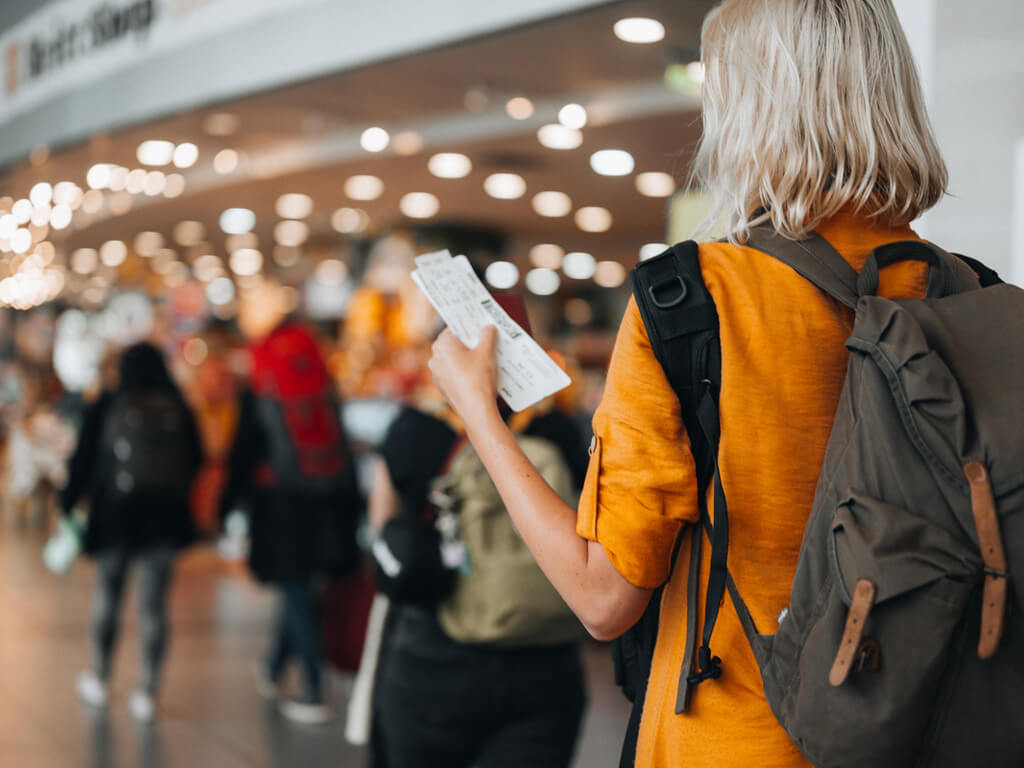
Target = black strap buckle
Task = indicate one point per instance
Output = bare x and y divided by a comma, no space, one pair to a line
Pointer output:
669,281
710,668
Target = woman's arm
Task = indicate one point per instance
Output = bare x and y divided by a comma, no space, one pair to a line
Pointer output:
605,602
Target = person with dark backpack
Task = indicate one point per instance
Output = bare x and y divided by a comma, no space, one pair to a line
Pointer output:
137,454
291,465
805,490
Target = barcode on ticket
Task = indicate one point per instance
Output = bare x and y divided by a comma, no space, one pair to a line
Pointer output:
503,321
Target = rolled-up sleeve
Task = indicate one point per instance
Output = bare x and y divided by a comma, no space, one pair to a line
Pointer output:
641,484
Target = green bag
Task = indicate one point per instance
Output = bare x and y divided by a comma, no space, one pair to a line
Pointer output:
501,597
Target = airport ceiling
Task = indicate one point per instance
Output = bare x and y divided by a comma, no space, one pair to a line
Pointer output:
305,138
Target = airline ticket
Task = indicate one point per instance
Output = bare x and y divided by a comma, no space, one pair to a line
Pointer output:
526,373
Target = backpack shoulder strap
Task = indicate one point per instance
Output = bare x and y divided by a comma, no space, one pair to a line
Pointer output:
813,258
682,325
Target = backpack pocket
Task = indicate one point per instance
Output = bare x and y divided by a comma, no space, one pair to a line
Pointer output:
872,662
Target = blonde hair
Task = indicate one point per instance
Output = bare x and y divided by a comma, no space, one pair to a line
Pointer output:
811,107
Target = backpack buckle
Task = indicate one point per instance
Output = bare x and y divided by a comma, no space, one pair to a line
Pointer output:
667,282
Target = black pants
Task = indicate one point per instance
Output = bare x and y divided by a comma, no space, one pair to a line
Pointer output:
442,703
295,636
154,577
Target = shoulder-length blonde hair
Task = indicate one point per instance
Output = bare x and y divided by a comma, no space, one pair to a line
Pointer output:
812,107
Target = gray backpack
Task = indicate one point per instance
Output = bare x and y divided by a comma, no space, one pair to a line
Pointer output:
903,642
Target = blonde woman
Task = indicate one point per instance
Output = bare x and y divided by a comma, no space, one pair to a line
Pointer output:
813,121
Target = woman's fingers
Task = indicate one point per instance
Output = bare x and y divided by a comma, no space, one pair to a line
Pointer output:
467,377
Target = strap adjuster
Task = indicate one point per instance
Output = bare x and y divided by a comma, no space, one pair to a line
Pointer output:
669,282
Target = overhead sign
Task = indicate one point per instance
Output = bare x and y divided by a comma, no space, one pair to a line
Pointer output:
70,43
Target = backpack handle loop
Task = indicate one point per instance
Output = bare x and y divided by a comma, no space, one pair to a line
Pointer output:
940,278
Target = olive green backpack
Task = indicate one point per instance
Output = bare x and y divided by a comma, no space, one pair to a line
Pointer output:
501,597
903,640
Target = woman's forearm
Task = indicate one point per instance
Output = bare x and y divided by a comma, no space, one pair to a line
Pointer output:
580,570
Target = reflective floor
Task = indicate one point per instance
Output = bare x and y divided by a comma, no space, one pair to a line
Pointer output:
210,713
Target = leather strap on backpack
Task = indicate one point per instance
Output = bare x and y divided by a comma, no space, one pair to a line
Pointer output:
990,542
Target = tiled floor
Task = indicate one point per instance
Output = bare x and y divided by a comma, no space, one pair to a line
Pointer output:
211,716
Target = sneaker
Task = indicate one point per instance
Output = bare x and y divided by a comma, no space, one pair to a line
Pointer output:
266,686
142,707
307,713
91,689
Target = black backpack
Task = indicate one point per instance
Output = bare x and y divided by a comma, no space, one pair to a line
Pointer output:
145,446
681,322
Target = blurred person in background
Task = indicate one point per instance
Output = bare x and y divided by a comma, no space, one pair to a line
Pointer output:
290,465
480,657
138,452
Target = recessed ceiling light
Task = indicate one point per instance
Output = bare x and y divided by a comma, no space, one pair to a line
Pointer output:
501,275
650,250
185,155
572,116
407,143
609,274
98,176
40,215
291,232
68,193
350,221
519,108
148,243
225,161
364,187
639,30
41,194
246,262
21,240
237,221
60,216
547,255
655,184
593,218
22,211
374,139
84,260
579,265
612,162
155,152
135,181
419,205
557,136
505,186
552,204
92,201
542,282
7,226
294,205
118,178
175,185
449,165
113,253
154,183
695,69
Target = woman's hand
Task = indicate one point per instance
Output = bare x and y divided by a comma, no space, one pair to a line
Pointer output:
468,378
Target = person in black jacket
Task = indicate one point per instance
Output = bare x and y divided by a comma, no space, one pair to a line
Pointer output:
137,454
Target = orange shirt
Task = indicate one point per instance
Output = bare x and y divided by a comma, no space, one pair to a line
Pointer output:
783,366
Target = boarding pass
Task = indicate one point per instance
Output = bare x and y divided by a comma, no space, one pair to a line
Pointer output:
526,373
